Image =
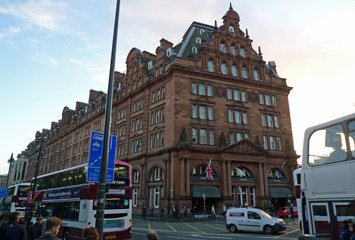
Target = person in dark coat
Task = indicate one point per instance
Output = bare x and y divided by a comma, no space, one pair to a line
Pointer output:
12,229
90,233
52,229
35,230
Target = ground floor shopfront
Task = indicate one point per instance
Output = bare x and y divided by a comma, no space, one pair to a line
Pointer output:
243,175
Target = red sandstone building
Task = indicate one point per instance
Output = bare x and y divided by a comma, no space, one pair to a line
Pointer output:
211,97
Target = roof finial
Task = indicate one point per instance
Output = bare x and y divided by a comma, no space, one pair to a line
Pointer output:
215,24
260,54
230,6
246,33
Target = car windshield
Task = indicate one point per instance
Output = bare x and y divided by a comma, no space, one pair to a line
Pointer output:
264,214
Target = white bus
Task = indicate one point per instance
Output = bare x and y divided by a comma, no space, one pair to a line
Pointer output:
328,179
16,199
67,195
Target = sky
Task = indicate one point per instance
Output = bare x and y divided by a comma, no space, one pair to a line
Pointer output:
53,52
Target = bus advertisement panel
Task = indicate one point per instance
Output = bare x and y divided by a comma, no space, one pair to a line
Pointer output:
67,195
327,203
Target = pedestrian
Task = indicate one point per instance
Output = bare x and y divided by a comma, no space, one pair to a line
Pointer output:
151,212
90,233
291,212
213,211
152,235
224,210
52,229
144,211
12,230
162,213
35,230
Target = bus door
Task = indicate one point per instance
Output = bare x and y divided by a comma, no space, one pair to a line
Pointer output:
320,218
345,217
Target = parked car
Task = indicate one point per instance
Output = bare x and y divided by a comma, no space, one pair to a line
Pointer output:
254,220
284,212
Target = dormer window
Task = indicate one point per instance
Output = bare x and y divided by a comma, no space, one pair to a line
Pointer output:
242,52
224,68
234,71
232,50
168,52
222,47
150,65
244,72
194,50
202,31
256,75
231,30
198,40
210,65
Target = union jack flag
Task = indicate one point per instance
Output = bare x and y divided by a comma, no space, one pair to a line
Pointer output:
209,171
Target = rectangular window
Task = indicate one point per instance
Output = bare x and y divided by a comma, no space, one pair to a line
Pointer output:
252,196
239,136
237,117
194,88
135,197
203,136
267,100
156,197
272,143
194,135
244,96
261,99
236,95
202,112
276,121
270,121
194,111
210,113
245,118
263,120
229,94
211,137
265,142
230,115
273,100
201,89
209,91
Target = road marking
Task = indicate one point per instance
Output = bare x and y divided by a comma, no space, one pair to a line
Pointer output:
217,228
167,224
287,233
195,235
189,225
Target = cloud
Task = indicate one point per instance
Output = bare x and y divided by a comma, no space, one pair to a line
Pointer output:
40,13
46,59
97,73
8,32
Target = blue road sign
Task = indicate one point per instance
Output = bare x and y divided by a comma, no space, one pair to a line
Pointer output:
95,156
3,192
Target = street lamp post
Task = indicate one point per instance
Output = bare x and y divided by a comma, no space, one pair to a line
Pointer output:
10,161
39,157
103,171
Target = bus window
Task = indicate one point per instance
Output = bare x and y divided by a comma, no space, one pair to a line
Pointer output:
327,146
321,219
352,137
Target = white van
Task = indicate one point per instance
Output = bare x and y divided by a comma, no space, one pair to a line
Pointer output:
254,220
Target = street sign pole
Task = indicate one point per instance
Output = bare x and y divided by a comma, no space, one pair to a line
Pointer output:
103,171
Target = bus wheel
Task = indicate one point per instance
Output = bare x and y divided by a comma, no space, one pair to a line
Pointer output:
268,229
66,235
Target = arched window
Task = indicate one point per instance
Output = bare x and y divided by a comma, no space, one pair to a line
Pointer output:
256,75
242,52
200,171
210,65
244,72
275,174
241,172
156,174
194,50
232,50
198,40
231,30
234,71
224,68
222,47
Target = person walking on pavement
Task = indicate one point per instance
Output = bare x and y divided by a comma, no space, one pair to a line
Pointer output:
12,230
52,229
35,230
